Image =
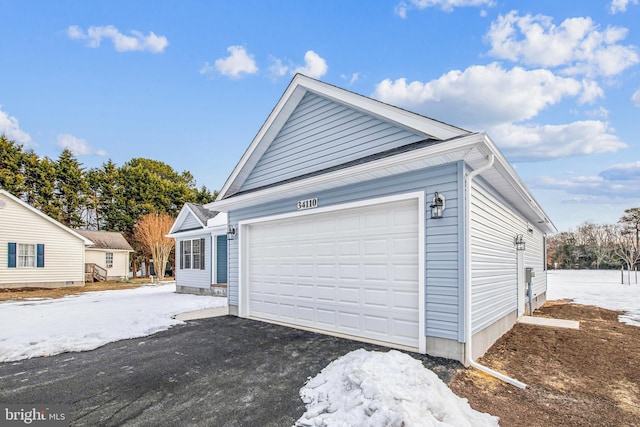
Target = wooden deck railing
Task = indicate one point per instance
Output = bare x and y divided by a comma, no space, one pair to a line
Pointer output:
94,273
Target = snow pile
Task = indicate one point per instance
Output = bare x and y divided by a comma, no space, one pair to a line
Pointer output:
390,389
601,288
89,320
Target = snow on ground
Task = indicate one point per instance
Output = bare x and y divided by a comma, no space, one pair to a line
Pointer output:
369,388
601,288
89,320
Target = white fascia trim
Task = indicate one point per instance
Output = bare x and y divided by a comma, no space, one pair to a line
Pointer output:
182,216
462,144
515,181
266,133
297,89
244,236
385,111
189,233
86,241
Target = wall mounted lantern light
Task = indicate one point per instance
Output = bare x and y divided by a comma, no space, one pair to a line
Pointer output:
437,206
518,242
231,233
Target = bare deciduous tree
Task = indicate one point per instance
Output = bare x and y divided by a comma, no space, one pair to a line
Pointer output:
150,231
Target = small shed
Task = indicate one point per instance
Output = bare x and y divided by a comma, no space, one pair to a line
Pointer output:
37,251
108,257
201,251
353,217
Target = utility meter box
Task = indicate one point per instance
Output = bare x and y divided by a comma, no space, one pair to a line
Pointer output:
529,274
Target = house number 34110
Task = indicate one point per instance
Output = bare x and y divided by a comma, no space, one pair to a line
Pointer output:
308,204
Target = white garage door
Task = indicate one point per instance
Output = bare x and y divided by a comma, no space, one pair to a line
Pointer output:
352,271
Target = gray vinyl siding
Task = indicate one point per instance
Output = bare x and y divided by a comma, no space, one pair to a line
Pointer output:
320,134
534,257
442,282
444,297
189,223
494,269
194,277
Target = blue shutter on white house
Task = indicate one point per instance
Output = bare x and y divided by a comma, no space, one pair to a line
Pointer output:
40,255
11,255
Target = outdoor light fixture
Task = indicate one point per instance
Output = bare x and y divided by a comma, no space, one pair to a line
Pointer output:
231,233
518,241
437,207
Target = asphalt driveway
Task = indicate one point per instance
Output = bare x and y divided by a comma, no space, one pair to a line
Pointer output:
222,371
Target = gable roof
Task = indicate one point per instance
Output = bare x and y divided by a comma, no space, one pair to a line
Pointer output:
443,144
199,212
37,212
106,240
302,85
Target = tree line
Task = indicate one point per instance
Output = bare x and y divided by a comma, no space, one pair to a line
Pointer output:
108,198
598,246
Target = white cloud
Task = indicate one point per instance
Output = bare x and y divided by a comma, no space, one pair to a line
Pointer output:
238,63
576,46
137,41
522,143
482,95
77,146
351,78
10,127
586,188
620,5
445,5
401,10
635,98
622,172
277,68
314,65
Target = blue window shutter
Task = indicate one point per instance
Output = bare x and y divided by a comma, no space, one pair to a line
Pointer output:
201,254
12,255
221,259
181,254
40,255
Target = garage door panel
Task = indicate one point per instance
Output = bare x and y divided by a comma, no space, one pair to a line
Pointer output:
353,272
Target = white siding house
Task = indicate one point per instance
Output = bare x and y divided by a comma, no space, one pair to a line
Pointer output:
36,250
201,251
110,251
331,227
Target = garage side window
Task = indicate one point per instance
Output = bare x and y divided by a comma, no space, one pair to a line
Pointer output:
192,254
25,255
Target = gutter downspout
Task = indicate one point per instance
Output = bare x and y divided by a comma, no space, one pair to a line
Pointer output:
467,289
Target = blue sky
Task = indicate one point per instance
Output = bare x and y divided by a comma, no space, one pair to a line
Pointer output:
556,84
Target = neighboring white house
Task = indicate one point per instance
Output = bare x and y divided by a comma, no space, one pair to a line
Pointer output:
36,250
109,251
201,251
350,216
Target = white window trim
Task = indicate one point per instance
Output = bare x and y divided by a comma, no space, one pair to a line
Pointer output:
20,257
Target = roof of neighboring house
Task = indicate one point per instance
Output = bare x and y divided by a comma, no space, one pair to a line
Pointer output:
84,239
106,240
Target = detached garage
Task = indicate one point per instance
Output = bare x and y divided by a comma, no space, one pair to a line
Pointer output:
353,217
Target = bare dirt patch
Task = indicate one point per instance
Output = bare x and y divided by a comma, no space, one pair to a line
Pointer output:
585,377
8,294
